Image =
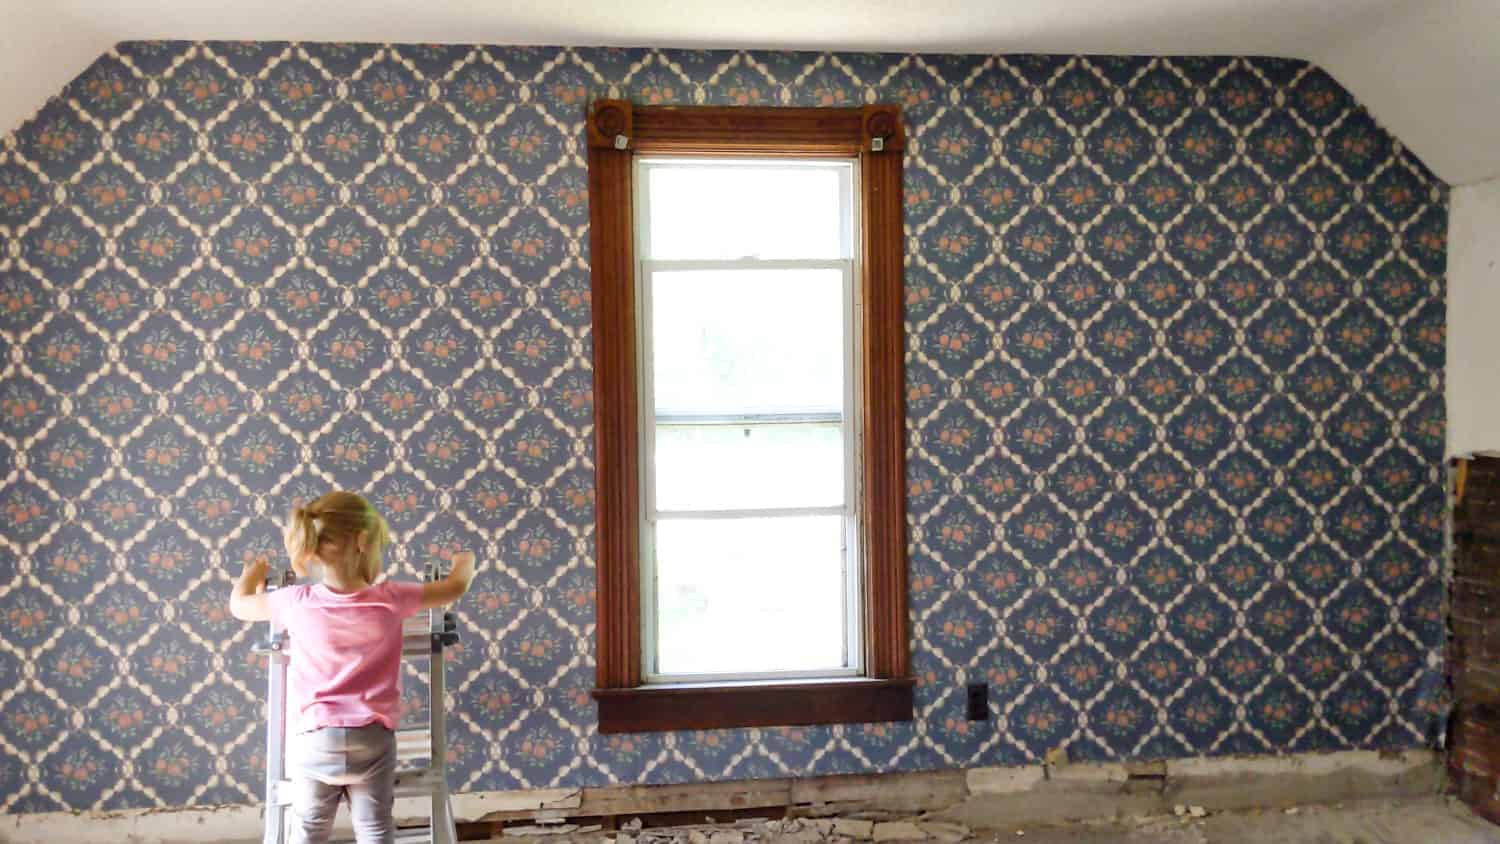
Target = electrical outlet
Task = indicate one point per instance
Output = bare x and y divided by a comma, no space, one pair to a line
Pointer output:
979,702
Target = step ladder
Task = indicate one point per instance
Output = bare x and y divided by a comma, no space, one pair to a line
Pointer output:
424,637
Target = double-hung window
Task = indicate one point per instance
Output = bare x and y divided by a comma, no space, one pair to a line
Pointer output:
749,537
746,274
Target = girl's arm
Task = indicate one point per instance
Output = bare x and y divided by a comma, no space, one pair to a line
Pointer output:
436,593
249,601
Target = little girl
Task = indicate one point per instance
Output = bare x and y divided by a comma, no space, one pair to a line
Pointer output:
344,668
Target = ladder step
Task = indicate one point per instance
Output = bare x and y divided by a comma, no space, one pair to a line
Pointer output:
421,624
415,835
415,743
416,641
418,646
417,782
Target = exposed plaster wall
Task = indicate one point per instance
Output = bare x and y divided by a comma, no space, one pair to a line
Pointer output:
1473,367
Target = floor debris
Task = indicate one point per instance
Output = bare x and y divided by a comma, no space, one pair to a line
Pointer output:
859,830
1434,820
776,831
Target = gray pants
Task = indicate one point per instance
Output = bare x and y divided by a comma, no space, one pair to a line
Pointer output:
330,763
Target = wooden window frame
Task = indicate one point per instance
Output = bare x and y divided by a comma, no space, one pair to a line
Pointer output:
617,131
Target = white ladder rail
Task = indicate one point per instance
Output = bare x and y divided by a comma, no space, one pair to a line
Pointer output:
442,822
276,657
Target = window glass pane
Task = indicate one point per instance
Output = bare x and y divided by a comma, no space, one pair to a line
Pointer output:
763,210
747,341
749,595
717,467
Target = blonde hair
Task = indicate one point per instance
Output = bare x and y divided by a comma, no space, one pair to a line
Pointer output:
341,517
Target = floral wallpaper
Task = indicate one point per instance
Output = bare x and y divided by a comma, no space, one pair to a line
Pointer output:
1174,373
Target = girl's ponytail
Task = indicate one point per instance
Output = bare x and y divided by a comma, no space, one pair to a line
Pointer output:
343,518
301,537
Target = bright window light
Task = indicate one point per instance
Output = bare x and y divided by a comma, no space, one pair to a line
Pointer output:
748,424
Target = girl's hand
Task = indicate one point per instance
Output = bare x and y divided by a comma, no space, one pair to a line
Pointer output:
450,588
249,601
254,574
463,567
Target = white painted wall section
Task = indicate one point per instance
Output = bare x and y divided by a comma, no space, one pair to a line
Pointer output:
44,46
1473,366
1429,71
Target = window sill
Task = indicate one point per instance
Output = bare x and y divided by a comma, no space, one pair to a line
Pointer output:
759,704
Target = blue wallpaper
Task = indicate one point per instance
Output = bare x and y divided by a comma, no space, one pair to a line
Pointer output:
1174,373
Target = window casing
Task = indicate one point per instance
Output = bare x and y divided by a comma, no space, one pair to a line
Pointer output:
873,684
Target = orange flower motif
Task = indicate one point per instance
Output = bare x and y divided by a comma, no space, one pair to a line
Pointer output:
295,90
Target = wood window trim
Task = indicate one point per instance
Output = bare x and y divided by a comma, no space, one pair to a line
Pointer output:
617,131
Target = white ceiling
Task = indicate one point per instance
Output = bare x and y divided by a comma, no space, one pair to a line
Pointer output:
1428,69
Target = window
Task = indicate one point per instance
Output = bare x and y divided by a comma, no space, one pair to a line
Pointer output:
747,328
745,303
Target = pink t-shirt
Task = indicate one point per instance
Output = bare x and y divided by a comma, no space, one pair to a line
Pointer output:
345,652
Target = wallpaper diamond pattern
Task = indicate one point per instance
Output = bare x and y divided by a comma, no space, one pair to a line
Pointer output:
1174,377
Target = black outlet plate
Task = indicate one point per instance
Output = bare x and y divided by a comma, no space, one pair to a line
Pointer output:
978,702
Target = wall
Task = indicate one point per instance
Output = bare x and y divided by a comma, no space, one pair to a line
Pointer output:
1474,294
1174,402
43,44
